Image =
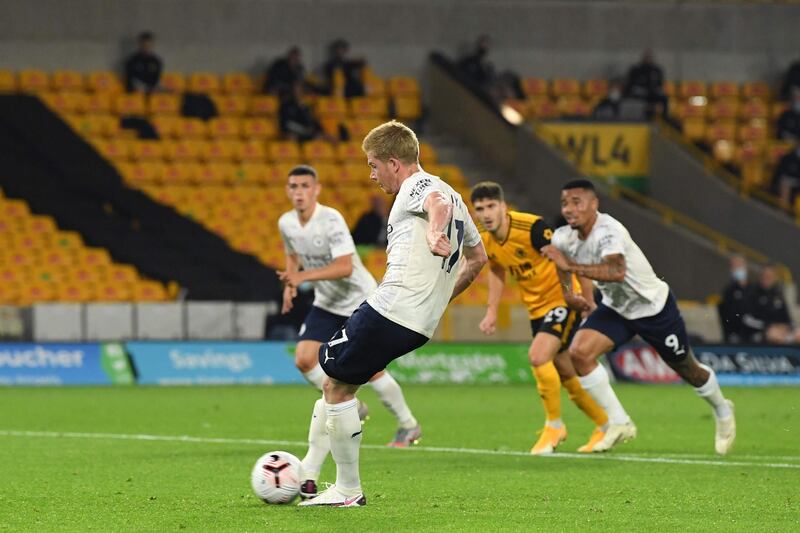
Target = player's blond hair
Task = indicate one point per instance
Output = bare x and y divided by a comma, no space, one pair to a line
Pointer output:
392,140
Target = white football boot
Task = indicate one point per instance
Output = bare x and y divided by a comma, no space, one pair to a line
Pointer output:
332,497
726,432
614,434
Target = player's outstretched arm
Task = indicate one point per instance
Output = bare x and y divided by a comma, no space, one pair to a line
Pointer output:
611,269
474,259
340,267
497,281
439,210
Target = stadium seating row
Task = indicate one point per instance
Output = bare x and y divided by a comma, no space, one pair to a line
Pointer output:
597,88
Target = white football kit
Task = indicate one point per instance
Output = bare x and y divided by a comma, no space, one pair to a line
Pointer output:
418,285
324,238
641,294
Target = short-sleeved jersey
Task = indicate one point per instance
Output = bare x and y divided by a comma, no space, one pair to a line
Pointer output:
317,243
641,294
520,255
418,285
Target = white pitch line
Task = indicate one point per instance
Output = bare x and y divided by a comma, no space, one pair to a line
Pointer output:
420,449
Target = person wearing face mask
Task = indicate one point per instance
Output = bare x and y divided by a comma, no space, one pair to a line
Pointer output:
767,312
733,307
788,128
786,178
609,107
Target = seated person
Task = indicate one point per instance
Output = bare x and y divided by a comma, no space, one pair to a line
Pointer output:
646,82
296,118
351,69
786,178
284,72
733,307
788,127
767,312
143,69
610,107
791,80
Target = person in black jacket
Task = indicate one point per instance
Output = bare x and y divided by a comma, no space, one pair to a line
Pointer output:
143,69
284,72
646,82
786,178
371,227
733,307
352,69
788,127
791,80
296,118
767,311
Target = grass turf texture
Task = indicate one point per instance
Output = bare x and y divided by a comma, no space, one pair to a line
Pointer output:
99,483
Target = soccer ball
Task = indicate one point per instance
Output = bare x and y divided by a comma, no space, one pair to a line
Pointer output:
276,477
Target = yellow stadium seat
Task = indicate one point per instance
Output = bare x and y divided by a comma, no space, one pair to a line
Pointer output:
257,173
104,81
231,104
146,150
94,125
259,128
756,89
180,173
36,292
573,106
128,104
690,88
749,157
13,209
369,107
204,82
149,291
753,133
57,258
33,81
224,127
220,150
250,151
120,273
669,88
374,85
95,103
350,152
265,105
72,291
595,89
8,81
163,104
237,83
9,294
724,108
284,151
407,107
318,152
114,149
565,87
360,127
331,107
403,86
41,224
216,173
694,128
724,89
535,86
190,128
67,80
68,240
776,150
722,130
183,150
356,174
112,292
167,126
684,110
427,154
754,109
542,109
63,102
327,172
330,125
173,81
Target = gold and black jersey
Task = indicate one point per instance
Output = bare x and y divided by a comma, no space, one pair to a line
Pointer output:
519,255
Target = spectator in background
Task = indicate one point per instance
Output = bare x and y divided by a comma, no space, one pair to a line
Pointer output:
351,69
791,80
788,128
646,82
143,69
371,227
296,118
733,307
475,65
786,178
285,72
610,107
767,312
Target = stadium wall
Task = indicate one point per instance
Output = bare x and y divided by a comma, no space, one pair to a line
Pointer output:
737,41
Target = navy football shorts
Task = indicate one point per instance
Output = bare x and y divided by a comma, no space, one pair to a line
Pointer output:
665,331
366,343
320,325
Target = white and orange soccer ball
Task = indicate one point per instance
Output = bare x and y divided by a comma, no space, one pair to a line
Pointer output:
276,477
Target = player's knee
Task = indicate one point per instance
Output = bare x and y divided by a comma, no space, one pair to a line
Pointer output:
306,357
536,357
580,355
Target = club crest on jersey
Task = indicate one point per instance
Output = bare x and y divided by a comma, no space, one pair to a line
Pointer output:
317,241
520,253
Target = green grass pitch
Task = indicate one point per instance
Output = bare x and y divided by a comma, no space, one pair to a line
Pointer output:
467,474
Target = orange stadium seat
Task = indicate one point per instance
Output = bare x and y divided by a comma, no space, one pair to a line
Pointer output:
231,104
63,102
130,104
237,83
265,105
327,172
14,209
595,89
284,151
776,150
259,128
542,109
369,107
224,127
75,292
251,151
96,103
724,89
67,80
180,173
669,88
112,292
407,107
753,133
216,173
535,86
360,127
684,110
219,150
565,87
8,81
403,86
754,109
33,81
149,291
723,130
318,152
147,150
355,174
36,292
689,88
9,293
570,106
254,173
104,81
166,125
427,154
331,107
183,150
749,158
204,82
349,152
724,108
68,240
756,89
113,149
191,128
163,104
374,85
120,273
173,81
694,128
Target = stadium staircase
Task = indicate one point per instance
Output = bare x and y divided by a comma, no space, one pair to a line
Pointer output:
57,173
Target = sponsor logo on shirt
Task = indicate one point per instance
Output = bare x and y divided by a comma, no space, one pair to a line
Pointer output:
420,186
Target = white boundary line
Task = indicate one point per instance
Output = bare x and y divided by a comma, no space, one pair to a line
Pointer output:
678,460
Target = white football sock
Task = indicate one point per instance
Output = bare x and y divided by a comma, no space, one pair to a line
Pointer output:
391,395
318,443
315,376
596,383
344,431
711,393
556,423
